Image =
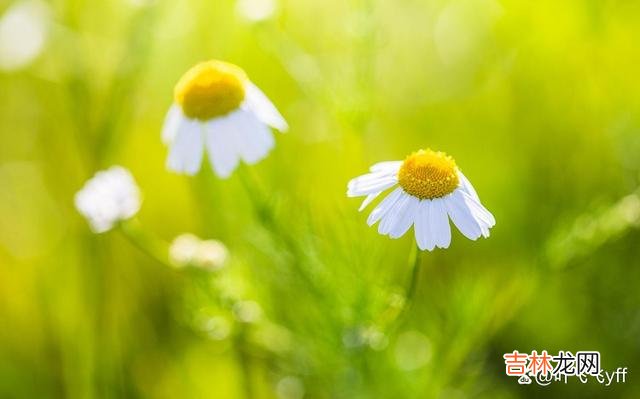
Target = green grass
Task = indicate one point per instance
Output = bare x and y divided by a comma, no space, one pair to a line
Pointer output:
537,102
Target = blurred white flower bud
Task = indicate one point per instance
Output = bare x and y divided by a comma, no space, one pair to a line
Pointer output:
183,249
23,31
211,255
107,198
189,250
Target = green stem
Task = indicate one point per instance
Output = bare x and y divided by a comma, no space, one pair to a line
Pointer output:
396,319
146,243
415,261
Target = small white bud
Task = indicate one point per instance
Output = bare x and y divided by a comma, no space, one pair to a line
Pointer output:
107,198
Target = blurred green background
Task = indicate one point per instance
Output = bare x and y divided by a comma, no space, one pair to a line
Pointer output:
538,101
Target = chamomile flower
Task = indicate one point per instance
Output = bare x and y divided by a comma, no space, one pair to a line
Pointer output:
218,110
429,189
107,198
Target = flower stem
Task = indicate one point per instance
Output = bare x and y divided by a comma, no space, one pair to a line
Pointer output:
396,319
146,243
415,261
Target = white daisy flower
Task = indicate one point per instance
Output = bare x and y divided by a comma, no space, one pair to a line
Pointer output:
430,189
107,198
219,111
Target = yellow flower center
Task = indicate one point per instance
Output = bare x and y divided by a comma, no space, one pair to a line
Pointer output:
428,174
210,89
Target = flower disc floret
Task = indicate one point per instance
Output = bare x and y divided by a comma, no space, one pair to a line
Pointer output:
428,174
210,89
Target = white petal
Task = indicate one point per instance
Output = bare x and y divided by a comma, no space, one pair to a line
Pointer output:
253,138
185,153
171,124
386,167
406,219
483,217
257,101
220,140
384,206
467,186
424,238
394,214
480,212
461,215
261,142
368,200
439,223
370,184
